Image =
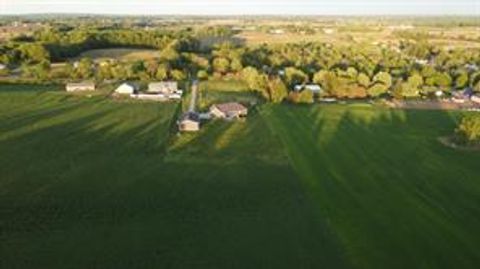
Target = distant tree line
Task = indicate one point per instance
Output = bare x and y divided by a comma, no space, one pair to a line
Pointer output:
408,70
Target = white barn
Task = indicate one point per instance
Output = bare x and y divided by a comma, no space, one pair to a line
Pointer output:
126,88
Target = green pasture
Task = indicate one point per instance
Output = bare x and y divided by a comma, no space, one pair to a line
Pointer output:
87,181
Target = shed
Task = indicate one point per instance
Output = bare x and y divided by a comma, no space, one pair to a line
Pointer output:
81,86
189,122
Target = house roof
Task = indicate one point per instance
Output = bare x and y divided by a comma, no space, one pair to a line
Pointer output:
230,107
129,84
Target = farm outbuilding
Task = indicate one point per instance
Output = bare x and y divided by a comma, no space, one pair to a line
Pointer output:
127,88
81,86
228,110
189,122
165,87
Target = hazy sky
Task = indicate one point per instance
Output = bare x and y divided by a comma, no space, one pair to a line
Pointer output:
241,7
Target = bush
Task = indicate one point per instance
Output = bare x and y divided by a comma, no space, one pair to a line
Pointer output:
468,131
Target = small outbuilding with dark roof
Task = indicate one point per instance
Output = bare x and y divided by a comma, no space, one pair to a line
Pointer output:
189,122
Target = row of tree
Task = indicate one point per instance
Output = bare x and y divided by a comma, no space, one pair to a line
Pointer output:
407,70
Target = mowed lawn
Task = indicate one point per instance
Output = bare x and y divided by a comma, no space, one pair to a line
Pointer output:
389,191
97,183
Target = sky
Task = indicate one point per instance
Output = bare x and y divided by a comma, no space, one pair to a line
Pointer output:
244,7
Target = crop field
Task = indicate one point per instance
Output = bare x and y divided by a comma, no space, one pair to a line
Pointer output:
459,37
95,183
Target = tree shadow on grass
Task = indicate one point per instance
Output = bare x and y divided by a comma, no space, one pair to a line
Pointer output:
85,192
384,183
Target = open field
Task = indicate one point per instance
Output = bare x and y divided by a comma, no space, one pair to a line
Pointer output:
122,54
94,183
223,91
461,37
393,195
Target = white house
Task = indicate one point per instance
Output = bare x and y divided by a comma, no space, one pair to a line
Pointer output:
126,88
82,86
165,87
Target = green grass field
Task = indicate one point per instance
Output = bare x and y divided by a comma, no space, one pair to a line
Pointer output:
223,91
95,183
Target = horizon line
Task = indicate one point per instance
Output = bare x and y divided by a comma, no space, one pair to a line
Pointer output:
247,15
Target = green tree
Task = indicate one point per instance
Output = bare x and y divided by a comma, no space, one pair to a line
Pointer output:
161,73
462,80
405,89
169,54
151,67
38,71
363,80
383,77
178,75
278,90
468,130
377,89
319,77
295,76
305,97
221,65
442,79
255,81
202,75
33,53
236,65
415,81
84,68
